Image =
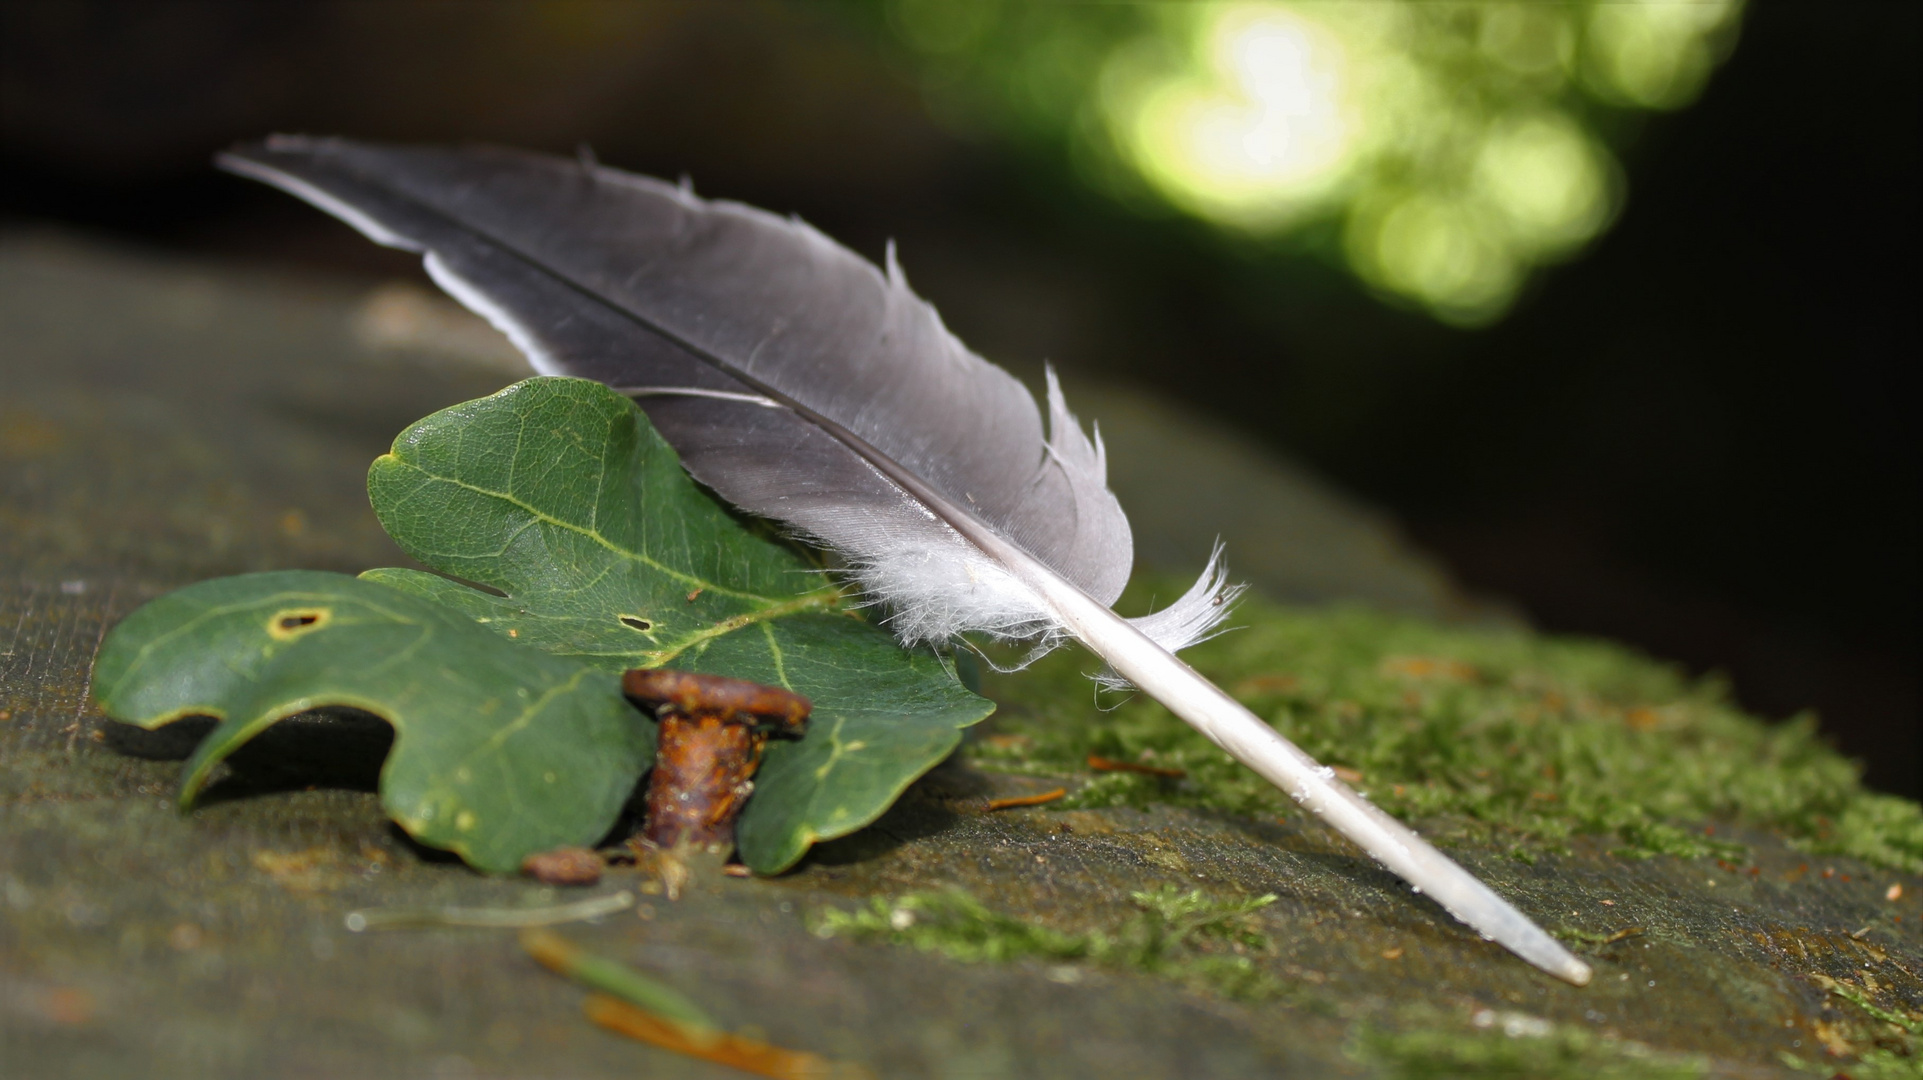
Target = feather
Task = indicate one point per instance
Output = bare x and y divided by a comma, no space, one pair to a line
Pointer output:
804,384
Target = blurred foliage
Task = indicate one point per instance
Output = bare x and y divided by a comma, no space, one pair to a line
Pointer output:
1450,148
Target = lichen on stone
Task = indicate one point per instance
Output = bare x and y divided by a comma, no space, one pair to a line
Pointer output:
1203,941
1517,1045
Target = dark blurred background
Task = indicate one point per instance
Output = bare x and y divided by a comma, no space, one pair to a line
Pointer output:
1676,422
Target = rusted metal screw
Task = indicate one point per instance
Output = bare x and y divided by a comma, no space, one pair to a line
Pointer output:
712,733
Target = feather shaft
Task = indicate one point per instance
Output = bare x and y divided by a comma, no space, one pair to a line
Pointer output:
1204,706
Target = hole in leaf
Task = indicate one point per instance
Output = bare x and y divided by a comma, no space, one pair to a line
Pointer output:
293,622
635,623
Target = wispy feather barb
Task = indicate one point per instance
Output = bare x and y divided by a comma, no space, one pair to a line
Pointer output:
804,384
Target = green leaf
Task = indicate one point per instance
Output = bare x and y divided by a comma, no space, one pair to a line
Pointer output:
558,494
498,751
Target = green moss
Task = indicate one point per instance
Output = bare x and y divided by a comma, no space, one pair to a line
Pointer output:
1875,1065
1522,1047
1540,737
1884,1041
1187,937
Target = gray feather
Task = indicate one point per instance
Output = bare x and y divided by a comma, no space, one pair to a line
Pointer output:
765,353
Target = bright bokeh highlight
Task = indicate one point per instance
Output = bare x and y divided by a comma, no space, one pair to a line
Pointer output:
1261,130
1453,147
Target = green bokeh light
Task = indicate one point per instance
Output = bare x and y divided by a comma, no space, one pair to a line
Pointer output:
1455,146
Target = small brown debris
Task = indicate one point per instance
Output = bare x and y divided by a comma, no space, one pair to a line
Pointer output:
1642,719
1609,903
1008,742
1797,874
1829,872
564,866
699,589
311,870
712,731
1027,800
735,869
1894,892
1625,932
1102,764
1392,954
5,715
1346,774
738,1051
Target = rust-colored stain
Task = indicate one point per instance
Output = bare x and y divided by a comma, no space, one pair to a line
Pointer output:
712,731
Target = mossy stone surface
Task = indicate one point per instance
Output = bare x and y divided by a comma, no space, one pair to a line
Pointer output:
162,423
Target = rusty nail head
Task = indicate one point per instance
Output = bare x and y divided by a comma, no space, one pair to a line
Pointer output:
712,731
769,709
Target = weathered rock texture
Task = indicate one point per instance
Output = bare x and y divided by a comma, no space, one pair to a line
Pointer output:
163,422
